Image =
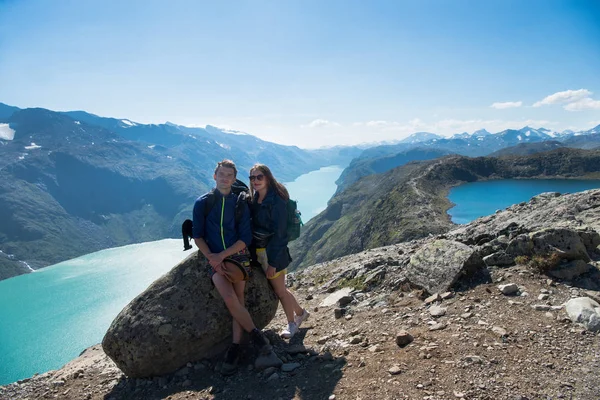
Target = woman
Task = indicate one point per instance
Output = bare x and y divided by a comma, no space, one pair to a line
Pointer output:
269,224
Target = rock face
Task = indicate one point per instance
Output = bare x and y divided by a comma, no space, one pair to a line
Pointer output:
569,244
438,265
180,318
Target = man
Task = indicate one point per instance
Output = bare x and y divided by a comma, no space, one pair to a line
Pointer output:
218,236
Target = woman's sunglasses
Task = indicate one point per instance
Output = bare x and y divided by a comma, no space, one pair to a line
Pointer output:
258,177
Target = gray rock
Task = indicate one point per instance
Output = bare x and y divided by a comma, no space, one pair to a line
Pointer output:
345,301
565,242
585,311
289,367
433,298
403,338
266,361
335,296
180,318
541,307
500,258
437,311
437,265
571,270
509,288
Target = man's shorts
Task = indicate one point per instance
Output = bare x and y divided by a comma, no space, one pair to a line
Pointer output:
242,257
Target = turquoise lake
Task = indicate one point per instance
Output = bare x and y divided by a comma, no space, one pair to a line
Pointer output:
49,317
313,190
477,199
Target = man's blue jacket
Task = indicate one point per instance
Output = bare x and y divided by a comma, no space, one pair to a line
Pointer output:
219,229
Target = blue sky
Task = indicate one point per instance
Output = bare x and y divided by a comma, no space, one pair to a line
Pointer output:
309,73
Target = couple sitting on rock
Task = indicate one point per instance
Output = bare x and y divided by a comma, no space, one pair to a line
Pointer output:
221,237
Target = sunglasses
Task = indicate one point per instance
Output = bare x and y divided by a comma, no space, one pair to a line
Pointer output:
258,177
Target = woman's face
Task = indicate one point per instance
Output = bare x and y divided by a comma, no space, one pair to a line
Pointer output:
258,179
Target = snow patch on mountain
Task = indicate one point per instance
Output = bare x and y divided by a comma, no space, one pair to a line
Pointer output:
6,133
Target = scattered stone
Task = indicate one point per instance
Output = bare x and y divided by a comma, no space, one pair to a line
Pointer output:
345,300
403,338
334,297
437,311
395,370
447,295
438,326
289,367
356,340
499,331
541,307
543,296
339,312
466,315
508,289
433,299
266,361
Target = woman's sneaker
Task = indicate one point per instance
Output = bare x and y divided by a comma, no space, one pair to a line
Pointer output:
291,330
299,319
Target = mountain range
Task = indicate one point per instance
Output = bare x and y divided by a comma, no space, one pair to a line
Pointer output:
72,182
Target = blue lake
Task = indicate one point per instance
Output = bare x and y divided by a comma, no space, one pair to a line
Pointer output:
477,199
48,317
313,190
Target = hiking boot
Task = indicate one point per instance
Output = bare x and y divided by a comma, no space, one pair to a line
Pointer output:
260,342
231,359
291,330
299,319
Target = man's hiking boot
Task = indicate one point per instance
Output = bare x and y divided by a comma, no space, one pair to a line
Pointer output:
299,319
260,342
291,330
231,359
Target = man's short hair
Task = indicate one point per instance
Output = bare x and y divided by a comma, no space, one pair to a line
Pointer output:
226,164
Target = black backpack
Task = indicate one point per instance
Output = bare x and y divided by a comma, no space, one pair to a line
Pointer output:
238,188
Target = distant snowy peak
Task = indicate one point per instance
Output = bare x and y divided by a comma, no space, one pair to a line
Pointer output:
481,133
532,132
464,135
125,123
421,137
6,133
225,130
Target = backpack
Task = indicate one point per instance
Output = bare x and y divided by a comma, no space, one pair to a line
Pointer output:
294,220
239,188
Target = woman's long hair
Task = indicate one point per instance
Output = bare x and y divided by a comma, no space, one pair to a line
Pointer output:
271,181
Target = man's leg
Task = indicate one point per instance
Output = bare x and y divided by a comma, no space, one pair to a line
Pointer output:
238,331
236,309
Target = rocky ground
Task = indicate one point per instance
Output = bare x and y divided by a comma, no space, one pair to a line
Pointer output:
374,335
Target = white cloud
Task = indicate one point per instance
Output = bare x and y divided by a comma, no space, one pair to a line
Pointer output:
583,104
321,123
507,104
567,96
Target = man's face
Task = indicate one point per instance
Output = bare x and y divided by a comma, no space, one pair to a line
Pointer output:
224,177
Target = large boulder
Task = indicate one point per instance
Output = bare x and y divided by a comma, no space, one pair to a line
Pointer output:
568,243
180,318
437,265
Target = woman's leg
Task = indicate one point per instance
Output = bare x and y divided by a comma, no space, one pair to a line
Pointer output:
288,301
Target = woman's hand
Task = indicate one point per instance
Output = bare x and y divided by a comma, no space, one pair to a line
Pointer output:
271,272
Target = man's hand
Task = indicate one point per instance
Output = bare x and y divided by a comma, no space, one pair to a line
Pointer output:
219,269
215,259
271,272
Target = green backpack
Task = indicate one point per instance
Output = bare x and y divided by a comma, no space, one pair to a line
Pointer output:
294,220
